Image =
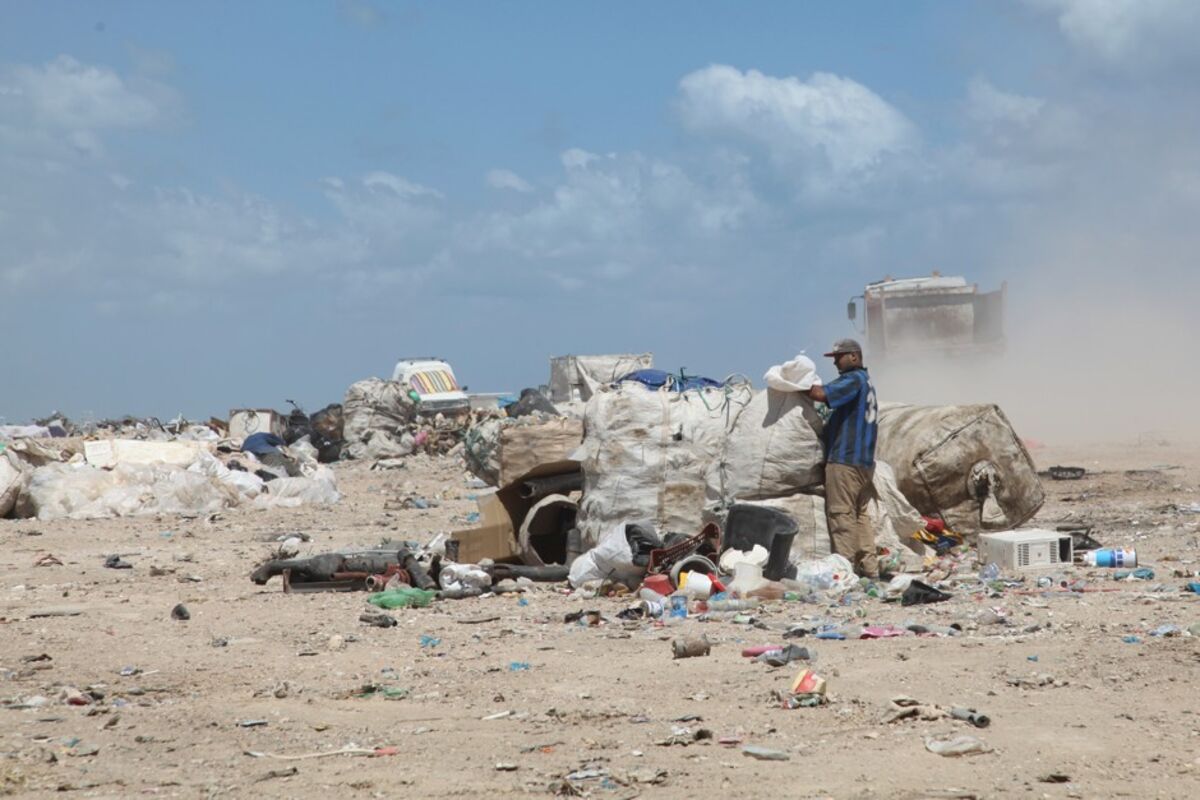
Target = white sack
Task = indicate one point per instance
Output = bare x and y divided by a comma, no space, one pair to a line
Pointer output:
797,375
963,463
895,519
812,536
12,483
773,449
646,455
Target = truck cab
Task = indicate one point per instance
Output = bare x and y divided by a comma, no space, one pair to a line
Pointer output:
432,383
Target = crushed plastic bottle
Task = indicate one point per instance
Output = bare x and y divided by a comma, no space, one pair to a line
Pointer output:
402,598
734,604
990,573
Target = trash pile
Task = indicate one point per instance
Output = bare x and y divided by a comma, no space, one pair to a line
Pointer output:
73,478
690,490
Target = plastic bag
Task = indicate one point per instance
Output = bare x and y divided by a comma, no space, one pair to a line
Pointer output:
833,574
321,489
612,558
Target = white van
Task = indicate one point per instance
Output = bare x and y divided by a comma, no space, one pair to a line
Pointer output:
433,382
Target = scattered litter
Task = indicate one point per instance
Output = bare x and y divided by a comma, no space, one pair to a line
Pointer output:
765,753
345,751
1054,777
1166,630
691,646
402,598
919,593
279,773
957,746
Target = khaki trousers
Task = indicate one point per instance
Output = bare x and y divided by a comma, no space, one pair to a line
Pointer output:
847,492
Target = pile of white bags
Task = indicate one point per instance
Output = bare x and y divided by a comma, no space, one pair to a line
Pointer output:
81,491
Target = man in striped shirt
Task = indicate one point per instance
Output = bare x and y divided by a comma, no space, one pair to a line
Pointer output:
850,457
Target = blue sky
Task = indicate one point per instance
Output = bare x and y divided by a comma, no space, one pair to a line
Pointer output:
229,205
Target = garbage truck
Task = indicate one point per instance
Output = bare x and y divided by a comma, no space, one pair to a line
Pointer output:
935,317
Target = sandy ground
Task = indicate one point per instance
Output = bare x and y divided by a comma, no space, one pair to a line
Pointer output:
1105,717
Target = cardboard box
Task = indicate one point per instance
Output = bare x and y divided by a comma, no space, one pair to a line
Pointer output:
245,421
501,514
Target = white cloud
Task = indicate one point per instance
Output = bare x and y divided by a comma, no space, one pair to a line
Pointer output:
989,106
831,128
616,201
1128,32
399,186
67,94
507,179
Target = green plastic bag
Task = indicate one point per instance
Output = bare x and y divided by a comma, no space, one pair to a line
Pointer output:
402,598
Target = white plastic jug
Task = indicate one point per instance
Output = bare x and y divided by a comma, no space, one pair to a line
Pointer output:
746,578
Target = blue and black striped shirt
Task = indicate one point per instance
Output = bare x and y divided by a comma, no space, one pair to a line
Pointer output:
850,432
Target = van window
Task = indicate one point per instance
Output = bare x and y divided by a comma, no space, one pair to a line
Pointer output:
433,382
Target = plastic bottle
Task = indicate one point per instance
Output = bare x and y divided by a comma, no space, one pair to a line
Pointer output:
1111,557
676,609
747,604
650,595
989,573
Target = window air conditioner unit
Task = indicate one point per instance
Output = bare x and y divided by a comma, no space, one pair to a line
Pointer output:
1027,549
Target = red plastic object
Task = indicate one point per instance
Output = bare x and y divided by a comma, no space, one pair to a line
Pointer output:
659,583
881,632
934,525
758,650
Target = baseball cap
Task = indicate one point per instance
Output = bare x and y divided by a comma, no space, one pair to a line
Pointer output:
845,346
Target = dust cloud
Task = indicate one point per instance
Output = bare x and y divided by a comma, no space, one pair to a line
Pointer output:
1093,355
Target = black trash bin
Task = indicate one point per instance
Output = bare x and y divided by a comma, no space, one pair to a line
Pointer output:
747,525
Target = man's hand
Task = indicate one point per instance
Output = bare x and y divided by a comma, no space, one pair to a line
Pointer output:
817,393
